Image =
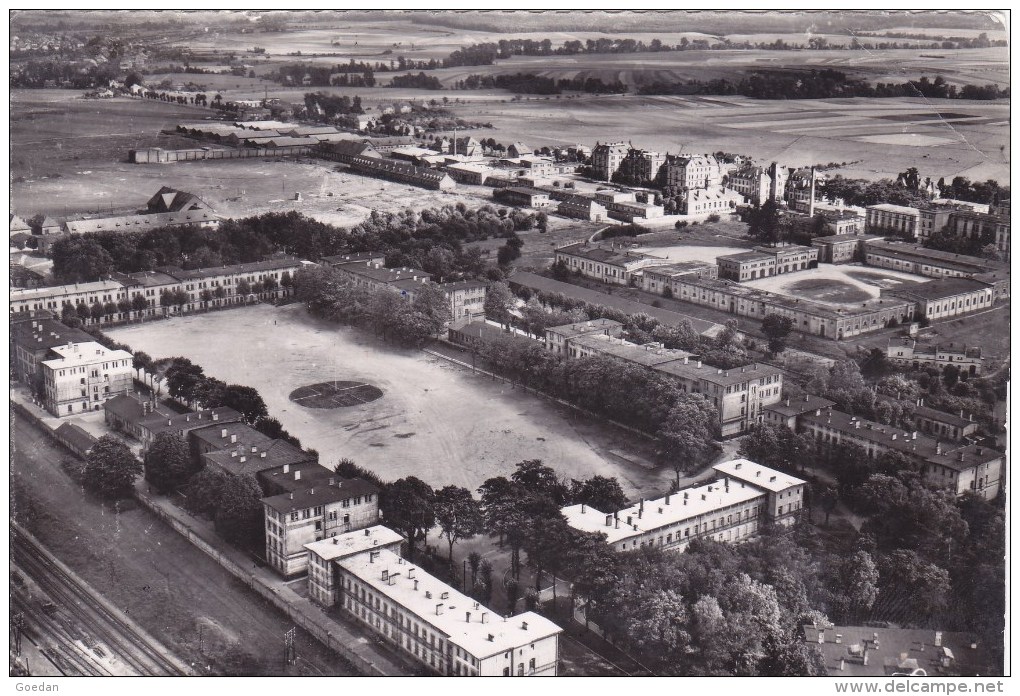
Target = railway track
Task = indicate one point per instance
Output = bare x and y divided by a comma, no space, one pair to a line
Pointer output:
55,640
136,651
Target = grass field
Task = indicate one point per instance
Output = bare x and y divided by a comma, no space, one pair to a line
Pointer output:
435,420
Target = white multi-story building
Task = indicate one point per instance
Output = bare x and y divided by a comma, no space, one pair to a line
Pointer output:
606,159
83,376
319,511
732,508
424,618
685,172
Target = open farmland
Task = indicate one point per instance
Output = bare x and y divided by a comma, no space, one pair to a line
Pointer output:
965,66
874,135
435,420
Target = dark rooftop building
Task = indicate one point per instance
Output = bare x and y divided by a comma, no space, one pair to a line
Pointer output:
343,489
238,459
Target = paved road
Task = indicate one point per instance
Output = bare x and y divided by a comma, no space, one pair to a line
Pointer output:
169,587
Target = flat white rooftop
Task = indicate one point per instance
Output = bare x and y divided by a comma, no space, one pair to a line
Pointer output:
350,543
758,475
83,353
482,634
683,505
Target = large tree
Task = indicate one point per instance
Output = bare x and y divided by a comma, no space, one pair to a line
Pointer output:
601,492
688,434
167,462
408,506
776,328
246,401
499,300
110,468
434,306
182,377
458,514
79,259
240,516
203,491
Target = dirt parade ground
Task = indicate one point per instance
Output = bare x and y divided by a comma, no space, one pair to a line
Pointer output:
436,420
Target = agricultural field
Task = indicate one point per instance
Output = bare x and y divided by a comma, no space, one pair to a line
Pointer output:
435,420
877,138
966,66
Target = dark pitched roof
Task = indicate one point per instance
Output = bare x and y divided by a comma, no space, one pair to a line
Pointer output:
941,416
942,288
238,459
44,334
211,419
796,407
320,495
75,436
169,200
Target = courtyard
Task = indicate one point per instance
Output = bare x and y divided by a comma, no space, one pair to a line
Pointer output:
836,285
435,420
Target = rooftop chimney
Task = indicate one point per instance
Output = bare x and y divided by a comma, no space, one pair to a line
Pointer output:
467,617
233,439
439,609
524,625
286,468
223,432
297,474
368,532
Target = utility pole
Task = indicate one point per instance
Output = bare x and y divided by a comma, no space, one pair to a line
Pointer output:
18,626
289,651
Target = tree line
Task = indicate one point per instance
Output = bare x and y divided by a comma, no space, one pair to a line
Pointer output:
329,295
431,238
821,84
529,83
412,81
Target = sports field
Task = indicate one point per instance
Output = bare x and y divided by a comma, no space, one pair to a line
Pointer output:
434,420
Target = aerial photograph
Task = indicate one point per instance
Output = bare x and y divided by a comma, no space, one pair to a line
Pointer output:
361,343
